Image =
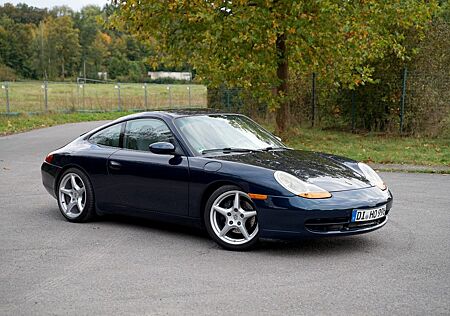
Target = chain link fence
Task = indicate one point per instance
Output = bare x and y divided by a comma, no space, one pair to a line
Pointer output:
39,97
404,101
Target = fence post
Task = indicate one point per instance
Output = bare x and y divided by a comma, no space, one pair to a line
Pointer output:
80,86
46,95
402,105
189,91
83,87
353,111
313,99
119,107
170,96
145,96
6,87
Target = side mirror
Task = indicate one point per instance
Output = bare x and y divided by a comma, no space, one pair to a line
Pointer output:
162,148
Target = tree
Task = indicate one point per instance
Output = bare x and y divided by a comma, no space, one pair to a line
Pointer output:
256,44
60,11
428,110
15,46
56,49
118,66
23,14
376,106
63,44
98,53
87,22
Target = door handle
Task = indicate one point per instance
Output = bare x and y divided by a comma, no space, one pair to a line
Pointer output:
114,164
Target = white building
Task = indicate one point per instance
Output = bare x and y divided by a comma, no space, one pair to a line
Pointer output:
102,75
170,74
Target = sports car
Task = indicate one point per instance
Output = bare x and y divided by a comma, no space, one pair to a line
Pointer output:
222,172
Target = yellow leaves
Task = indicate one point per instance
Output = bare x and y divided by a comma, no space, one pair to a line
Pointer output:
105,38
304,16
239,46
272,39
172,5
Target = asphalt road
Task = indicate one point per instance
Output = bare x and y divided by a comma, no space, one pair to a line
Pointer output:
118,266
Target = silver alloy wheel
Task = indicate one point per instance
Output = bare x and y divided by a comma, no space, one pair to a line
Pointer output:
72,195
233,218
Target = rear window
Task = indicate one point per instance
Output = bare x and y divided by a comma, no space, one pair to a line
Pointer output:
109,136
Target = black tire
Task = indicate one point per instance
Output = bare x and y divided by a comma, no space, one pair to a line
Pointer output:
88,212
211,222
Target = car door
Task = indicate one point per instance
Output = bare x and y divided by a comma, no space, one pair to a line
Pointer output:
94,158
144,181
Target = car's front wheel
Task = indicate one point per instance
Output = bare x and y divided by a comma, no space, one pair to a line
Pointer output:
76,196
230,218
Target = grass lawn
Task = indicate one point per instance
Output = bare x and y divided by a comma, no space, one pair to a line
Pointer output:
29,96
368,147
24,122
374,148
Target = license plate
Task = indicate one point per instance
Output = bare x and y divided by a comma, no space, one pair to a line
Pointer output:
368,215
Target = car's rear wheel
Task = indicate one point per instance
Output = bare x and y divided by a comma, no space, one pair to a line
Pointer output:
231,220
76,196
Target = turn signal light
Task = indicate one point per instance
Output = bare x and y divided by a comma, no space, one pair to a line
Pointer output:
257,196
49,158
315,195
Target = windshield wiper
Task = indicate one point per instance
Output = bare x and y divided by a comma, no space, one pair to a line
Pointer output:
240,150
270,148
228,150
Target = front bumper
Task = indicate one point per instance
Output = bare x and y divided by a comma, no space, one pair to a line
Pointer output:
295,217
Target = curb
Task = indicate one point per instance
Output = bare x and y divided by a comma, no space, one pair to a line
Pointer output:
410,168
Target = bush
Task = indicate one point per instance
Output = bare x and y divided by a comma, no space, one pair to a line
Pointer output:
7,74
428,99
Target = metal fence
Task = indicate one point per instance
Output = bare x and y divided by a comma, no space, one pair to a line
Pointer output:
37,97
403,101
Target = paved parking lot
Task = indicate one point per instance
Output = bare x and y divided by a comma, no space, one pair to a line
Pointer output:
118,266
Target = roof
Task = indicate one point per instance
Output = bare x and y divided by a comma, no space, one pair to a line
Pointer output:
175,113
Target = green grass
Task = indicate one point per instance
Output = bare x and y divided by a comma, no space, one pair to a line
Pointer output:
384,149
368,147
29,96
25,122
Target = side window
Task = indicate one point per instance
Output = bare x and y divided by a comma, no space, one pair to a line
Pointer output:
140,134
109,136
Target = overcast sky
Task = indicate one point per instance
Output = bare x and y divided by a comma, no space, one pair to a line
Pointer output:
74,4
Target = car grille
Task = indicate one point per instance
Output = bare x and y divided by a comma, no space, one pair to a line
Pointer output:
339,224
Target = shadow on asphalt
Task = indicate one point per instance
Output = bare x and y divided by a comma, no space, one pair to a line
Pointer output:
319,246
306,246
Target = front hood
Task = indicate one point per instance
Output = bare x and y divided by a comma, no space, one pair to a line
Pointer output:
316,168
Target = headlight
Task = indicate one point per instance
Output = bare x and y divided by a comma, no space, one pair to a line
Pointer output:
299,187
372,176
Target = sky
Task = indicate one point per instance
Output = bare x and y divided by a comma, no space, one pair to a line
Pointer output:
74,4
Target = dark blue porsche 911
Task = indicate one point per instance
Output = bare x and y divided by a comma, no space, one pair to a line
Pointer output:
222,172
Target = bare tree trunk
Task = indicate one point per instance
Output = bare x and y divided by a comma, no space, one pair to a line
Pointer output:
283,75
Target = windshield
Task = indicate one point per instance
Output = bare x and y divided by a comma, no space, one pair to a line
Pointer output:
221,133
